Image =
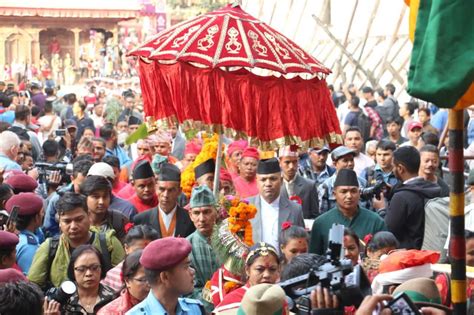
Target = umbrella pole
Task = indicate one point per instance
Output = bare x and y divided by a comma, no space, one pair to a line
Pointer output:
218,167
457,246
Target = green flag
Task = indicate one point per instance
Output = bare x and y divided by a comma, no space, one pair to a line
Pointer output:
442,60
140,133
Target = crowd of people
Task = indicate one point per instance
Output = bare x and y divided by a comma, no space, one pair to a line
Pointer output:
94,225
100,57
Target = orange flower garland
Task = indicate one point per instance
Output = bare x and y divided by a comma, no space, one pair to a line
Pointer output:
240,214
208,151
230,286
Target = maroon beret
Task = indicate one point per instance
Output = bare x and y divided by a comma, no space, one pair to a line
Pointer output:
22,183
11,275
8,240
29,203
165,253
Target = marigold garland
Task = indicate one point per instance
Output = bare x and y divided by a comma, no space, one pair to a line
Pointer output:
240,214
208,151
230,286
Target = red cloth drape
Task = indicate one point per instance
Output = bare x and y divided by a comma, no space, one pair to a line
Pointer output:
264,108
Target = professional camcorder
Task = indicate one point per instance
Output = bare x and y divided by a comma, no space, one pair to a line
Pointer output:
348,283
45,170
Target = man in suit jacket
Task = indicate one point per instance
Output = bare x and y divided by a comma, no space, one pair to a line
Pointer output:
295,185
168,218
178,143
272,208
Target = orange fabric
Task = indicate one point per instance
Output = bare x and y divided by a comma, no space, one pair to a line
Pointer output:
166,232
467,99
408,258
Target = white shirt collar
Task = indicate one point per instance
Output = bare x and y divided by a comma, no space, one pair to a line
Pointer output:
275,204
167,217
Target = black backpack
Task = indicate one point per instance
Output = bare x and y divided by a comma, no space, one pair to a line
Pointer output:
364,123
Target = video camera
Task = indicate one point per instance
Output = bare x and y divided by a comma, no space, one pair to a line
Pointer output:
348,283
45,170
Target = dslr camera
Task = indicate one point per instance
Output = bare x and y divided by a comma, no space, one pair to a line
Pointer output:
62,293
374,191
348,283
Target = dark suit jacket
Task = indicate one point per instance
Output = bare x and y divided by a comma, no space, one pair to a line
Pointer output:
289,211
184,225
307,190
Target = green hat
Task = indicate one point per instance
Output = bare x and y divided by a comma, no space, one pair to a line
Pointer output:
422,291
202,196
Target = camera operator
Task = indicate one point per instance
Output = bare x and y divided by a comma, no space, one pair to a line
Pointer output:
67,143
51,179
406,210
382,172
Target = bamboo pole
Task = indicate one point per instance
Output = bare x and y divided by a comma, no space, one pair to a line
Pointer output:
457,242
366,37
218,167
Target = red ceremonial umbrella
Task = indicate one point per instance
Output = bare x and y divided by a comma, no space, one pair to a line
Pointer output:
208,70
236,75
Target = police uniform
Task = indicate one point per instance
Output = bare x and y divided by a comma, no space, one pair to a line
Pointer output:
151,305
28,204
27,247
161,255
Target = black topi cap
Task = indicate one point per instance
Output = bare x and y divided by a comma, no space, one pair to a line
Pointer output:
268,166
169,173
207,167
143,170
346,177
132,120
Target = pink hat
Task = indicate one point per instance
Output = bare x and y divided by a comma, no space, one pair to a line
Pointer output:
163,136
289,151
192,147
225,175
251,152
414,124
236,146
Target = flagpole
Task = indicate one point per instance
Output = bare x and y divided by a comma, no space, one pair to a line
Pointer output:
218,166
457,242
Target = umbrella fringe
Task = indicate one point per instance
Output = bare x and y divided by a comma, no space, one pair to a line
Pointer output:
332,138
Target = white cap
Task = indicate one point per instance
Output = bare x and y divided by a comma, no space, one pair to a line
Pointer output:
102,169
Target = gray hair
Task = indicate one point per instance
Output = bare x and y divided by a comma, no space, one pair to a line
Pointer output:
8,140
370,144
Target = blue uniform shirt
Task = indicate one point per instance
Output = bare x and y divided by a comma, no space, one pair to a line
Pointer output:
151,305
26,248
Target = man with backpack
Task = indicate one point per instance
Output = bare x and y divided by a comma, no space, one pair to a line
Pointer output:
405,216
376,123
49,267
98,192
389,110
